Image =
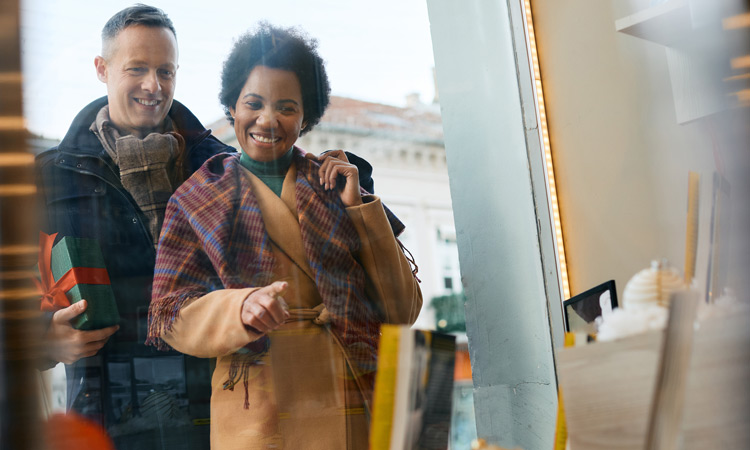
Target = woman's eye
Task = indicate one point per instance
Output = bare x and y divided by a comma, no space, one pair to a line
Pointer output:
254,105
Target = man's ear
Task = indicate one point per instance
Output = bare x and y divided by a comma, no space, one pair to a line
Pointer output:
101,68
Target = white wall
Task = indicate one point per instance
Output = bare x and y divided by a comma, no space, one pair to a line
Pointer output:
621,160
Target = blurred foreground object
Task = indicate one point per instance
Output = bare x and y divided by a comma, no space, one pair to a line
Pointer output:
481,444
19,301
73,432
610,387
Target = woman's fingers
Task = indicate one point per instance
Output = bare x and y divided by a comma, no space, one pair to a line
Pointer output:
265,309
335,164
331,164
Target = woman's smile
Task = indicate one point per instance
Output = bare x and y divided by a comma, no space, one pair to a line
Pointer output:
268,115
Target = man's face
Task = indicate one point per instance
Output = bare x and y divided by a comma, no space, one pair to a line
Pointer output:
140,75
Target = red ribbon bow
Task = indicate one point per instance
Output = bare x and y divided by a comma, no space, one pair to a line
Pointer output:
53,292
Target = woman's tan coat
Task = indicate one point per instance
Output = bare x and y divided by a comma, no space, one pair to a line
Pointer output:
301,395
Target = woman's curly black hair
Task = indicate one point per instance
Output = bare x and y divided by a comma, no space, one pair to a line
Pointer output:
278,48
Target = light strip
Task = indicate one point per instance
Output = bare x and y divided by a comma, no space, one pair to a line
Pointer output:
17,250
563,267
736,22
11,77
12,190
12,123
16,159
741,62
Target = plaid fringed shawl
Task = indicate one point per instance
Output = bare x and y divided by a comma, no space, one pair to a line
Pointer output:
214,238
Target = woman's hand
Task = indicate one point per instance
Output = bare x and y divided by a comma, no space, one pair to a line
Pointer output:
334,164
265,309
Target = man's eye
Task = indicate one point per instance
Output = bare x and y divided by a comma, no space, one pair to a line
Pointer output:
166,73
136,69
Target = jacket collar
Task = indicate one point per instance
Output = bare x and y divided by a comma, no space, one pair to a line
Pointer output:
80,140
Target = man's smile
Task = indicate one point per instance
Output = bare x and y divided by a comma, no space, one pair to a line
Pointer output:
145,102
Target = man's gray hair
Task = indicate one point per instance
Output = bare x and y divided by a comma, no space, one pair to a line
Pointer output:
138,14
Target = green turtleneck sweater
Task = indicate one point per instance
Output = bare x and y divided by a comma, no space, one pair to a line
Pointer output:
272,173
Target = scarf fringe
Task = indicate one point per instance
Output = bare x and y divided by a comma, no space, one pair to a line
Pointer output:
161,316
239,369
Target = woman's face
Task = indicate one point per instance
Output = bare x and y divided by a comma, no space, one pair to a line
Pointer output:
268,116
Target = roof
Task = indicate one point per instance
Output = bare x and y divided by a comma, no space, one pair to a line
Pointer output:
348,115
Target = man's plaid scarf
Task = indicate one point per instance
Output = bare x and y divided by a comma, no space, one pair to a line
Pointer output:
214,238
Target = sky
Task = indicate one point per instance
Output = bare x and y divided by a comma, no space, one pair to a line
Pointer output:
374,51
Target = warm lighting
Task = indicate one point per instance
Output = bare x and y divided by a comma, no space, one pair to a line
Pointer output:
741,62
9,190
11,77
744,76
544,135
16,250
738,21
14,294
743,96
16,159
9,123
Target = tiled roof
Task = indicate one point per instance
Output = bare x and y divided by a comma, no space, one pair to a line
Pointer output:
356,116
420,120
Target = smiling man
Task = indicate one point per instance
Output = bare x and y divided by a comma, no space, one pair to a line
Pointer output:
139,66
109,180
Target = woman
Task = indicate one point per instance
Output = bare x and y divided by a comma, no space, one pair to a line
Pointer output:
277,263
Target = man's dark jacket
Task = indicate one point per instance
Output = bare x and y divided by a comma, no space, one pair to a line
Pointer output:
126,385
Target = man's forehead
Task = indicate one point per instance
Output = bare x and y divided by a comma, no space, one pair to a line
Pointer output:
140,42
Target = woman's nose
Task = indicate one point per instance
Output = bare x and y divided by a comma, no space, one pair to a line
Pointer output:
267,117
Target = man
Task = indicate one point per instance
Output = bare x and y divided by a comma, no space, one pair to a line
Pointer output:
109,180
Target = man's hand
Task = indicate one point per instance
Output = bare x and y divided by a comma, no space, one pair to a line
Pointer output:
66,344
335,164
265,309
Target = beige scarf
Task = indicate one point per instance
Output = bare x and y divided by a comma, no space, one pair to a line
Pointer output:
150,168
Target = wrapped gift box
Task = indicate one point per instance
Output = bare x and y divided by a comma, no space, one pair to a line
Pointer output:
609,388
72,253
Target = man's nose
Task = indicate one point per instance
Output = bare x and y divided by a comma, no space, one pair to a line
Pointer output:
150,82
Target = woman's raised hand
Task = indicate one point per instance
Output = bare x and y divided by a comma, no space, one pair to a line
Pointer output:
265,309
334,164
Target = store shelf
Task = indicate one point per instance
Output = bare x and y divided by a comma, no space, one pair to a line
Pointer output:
697,44
667,24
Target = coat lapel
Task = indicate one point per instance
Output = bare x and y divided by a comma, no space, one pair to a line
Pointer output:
280,217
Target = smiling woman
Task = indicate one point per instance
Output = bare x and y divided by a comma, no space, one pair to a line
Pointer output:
295,272
268,116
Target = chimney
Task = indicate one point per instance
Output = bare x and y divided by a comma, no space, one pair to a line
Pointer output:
412,100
